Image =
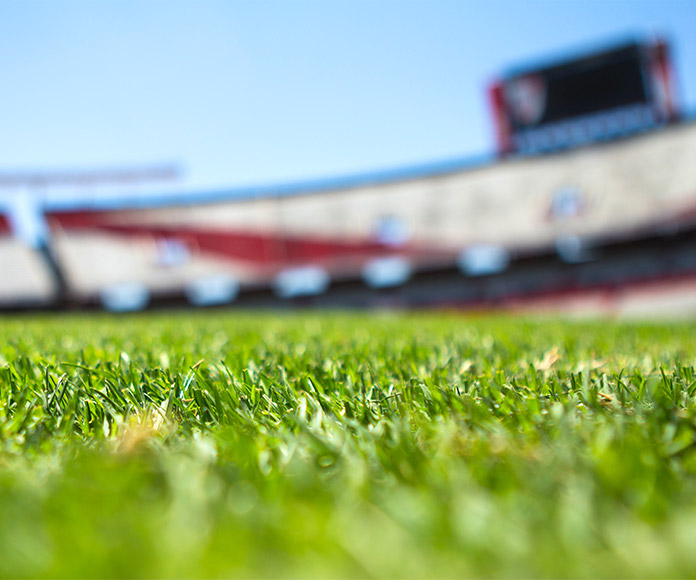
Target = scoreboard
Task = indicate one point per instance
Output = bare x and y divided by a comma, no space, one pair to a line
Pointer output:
595,97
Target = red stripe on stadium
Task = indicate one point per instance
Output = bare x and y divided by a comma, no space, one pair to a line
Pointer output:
256,247
4,225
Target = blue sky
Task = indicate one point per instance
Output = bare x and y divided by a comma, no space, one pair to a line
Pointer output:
258,92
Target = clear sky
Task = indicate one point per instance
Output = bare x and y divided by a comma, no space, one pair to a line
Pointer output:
259,92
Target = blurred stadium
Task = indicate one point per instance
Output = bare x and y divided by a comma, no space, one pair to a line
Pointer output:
589,203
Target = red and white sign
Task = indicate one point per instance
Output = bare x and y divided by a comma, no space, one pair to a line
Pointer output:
526,99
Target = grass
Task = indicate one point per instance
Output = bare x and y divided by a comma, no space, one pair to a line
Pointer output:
238,445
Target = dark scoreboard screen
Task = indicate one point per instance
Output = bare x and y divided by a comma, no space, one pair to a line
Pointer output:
599,96
591,85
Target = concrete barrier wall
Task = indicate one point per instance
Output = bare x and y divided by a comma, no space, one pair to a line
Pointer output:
24,278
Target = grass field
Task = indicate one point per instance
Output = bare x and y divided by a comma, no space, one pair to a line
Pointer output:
226,444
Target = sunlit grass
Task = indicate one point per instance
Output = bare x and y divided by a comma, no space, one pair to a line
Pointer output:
221,444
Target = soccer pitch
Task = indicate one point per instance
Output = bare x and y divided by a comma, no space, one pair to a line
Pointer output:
220,444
